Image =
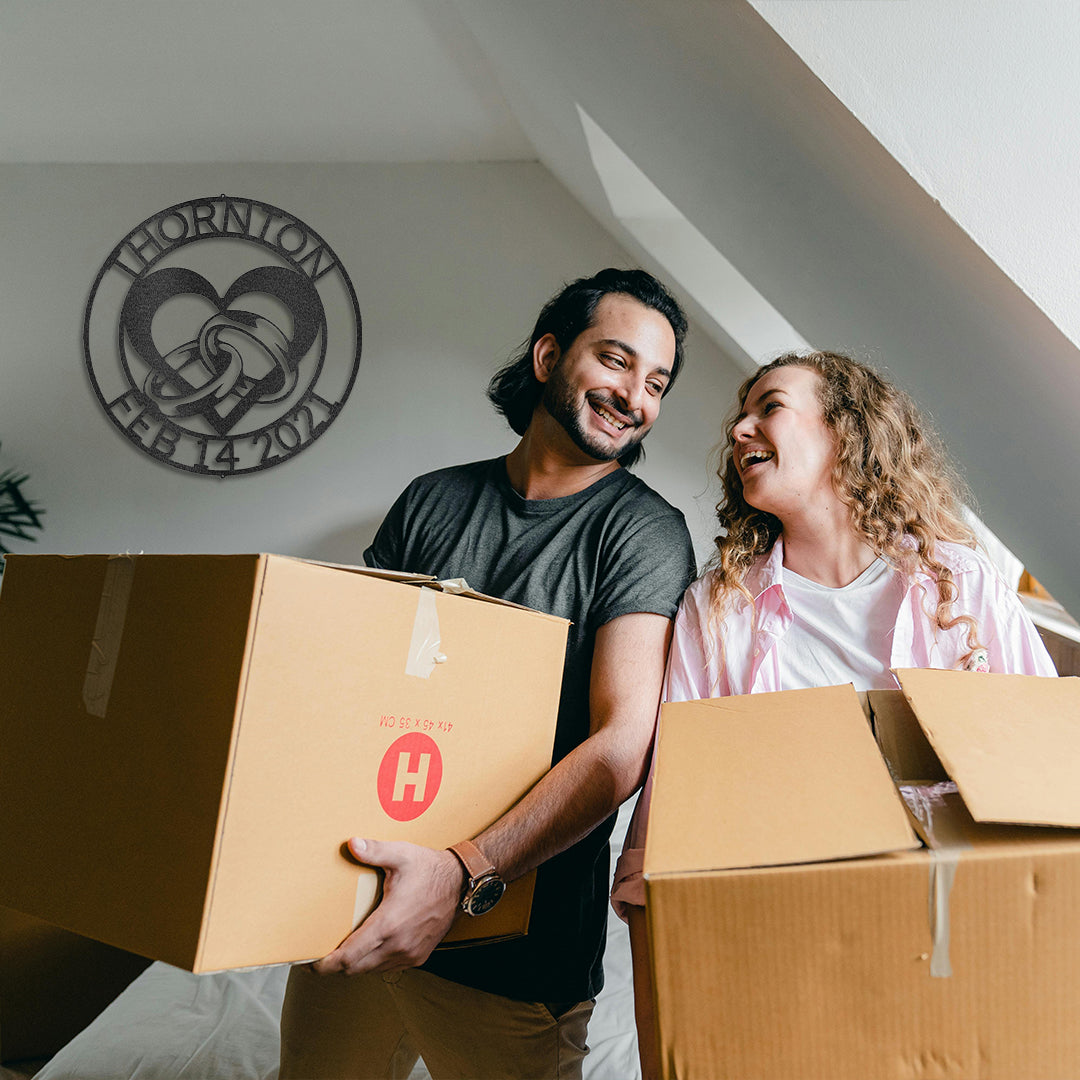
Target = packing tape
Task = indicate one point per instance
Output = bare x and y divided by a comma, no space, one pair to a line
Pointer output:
947,843
108,633
424,647
943,866
455,585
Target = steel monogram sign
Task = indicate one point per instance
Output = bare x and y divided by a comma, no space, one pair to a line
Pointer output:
222,336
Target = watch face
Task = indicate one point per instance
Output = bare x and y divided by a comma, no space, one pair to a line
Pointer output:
486,894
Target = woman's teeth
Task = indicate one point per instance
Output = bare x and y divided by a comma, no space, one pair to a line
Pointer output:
754,456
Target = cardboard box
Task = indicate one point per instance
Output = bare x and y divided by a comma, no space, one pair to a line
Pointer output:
799,930
187,741
52,984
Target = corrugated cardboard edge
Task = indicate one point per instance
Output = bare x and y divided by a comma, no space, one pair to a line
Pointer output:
407,577
262,563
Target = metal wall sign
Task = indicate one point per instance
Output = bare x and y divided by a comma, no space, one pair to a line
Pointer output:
222,336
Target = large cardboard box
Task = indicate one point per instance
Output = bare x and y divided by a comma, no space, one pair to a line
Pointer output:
187,741
800,929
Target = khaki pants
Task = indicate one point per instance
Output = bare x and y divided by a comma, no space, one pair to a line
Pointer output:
373,1027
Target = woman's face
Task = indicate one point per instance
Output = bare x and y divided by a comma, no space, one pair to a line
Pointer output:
783,450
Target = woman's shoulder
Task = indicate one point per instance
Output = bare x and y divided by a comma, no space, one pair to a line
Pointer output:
961,559
704,603
695,601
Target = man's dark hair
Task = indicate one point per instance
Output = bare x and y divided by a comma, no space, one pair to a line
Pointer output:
515,391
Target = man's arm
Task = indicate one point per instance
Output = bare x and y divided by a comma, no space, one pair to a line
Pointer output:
423,887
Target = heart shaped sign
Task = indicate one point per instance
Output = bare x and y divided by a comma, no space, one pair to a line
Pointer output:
222,383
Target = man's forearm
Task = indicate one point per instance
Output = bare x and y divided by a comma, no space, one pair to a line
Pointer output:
595,778
583,789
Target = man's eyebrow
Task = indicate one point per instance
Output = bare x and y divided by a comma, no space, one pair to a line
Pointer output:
616,343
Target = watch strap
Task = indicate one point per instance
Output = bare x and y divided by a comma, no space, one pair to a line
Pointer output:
476,863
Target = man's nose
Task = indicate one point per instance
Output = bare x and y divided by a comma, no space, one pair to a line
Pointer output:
630,394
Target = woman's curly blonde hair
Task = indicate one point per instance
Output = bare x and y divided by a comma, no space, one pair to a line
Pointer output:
891,472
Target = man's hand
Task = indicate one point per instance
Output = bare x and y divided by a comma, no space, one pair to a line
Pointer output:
421,895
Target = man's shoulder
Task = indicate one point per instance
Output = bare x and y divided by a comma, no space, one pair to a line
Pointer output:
428,506
469,473
636,501
642,529
449,484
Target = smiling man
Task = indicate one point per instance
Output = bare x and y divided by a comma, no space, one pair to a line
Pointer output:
559,525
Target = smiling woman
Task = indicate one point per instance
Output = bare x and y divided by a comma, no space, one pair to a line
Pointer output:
847,470
843,555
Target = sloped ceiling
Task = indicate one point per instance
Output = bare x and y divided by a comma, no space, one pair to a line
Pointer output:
706,100
752,148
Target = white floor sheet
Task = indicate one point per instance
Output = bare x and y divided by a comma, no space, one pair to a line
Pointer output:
171,1025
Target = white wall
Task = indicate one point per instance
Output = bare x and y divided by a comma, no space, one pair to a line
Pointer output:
977,99
450,263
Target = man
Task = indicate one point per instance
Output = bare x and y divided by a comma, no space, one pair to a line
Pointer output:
561,526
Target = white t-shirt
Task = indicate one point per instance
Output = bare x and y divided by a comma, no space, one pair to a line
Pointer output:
841,635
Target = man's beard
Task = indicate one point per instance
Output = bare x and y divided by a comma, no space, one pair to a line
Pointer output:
560,401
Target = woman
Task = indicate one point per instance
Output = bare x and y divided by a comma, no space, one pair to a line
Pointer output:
844,555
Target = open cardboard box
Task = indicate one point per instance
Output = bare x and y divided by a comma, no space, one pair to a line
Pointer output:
186,741
799,928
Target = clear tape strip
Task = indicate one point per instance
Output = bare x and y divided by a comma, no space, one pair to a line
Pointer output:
947,844
424,646
943,866
108,633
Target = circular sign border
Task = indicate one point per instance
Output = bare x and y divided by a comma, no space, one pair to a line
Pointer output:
273,211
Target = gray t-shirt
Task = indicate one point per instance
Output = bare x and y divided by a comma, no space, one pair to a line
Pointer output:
613,549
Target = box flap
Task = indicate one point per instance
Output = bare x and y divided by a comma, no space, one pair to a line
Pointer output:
768,779
404,576
908,754
457,586
1011,742
460,587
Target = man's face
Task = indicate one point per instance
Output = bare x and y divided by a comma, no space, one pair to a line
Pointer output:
605,390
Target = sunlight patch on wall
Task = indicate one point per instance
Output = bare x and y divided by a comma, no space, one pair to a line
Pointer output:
741,312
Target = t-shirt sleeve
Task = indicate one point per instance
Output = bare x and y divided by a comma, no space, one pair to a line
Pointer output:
645,567
387,550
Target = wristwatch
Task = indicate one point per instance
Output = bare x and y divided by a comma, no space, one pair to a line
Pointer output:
484,887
